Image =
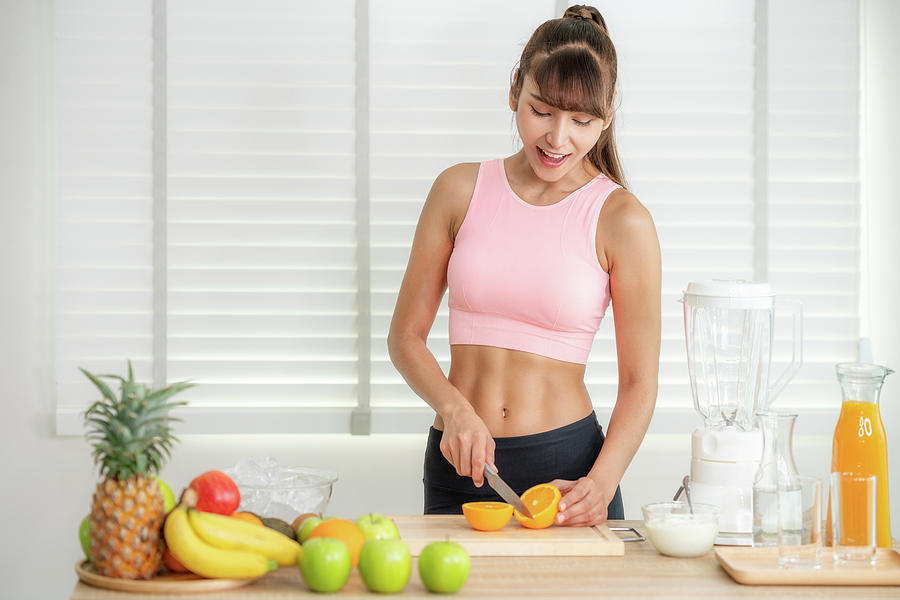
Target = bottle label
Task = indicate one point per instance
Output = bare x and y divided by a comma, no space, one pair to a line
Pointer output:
865,427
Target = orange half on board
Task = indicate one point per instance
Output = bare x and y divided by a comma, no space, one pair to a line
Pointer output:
543,502
487,516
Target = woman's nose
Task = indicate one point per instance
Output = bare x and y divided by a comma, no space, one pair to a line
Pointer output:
558,134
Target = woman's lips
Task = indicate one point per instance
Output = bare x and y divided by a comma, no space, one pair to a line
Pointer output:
550,161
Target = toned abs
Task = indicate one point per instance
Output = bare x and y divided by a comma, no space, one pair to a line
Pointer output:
518,393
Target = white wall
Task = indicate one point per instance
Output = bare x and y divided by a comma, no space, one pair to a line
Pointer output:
46,481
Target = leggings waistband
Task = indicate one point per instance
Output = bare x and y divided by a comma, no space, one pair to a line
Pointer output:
544,437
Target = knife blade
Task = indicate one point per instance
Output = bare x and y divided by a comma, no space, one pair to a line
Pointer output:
505,491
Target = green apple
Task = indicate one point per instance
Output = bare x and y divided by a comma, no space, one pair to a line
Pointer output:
168,496
84,536
306,528
385,565
325,564
377,527
444,567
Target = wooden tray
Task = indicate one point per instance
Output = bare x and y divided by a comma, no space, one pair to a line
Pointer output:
759,566
165,583
512,540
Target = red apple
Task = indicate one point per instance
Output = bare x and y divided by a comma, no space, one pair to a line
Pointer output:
216,492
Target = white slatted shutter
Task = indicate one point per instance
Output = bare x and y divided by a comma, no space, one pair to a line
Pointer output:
104,206
814,232
685,134
439,89
261,279
262,239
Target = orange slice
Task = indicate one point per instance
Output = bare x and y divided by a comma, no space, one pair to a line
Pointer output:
487,516
543,502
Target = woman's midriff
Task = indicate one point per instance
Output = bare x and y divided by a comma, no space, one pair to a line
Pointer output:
518,393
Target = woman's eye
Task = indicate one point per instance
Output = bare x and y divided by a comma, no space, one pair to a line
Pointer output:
583,123
540,114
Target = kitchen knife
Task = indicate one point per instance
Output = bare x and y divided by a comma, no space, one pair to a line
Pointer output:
505,491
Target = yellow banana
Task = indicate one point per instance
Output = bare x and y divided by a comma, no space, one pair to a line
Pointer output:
233,534
210,561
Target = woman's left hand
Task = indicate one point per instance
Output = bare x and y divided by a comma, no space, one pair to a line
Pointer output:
583,502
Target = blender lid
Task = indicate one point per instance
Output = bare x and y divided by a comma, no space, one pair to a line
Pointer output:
729,288
729,294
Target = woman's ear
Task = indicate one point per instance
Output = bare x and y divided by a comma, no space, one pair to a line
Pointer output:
612,111
514,90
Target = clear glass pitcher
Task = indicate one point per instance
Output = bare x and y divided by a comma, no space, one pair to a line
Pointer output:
776,479
860,443
728,333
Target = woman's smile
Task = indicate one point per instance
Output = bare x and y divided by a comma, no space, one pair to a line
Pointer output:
550,159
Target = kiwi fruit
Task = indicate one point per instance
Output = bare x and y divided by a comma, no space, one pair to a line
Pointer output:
280,526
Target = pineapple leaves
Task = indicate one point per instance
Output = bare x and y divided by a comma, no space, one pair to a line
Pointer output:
131,434
104,389
164,393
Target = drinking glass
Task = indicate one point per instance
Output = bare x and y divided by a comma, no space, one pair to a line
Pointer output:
853,518
800,524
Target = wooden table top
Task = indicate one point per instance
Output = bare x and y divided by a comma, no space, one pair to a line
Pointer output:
641,573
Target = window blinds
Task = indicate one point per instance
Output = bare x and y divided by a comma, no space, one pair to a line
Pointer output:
685,130
439,93
104,206
261,284
813,189
262,248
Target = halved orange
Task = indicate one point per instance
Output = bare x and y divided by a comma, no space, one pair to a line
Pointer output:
543,502
487,516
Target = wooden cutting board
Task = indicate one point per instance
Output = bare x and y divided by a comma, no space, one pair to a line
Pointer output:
512,540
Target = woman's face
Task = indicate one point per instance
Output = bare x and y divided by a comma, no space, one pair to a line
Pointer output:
555,141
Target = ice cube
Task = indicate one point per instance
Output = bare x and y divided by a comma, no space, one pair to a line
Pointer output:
259,472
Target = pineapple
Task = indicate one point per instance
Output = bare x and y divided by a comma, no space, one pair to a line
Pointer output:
130,436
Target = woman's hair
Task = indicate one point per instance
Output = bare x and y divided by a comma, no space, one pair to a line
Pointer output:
573,63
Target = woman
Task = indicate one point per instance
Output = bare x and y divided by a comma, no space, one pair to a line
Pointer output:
533,247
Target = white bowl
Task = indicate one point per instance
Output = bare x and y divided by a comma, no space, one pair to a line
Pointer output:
296,490
674,531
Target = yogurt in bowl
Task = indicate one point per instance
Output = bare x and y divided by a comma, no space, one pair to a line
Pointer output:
674,531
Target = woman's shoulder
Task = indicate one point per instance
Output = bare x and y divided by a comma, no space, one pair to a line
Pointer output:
625,224
454,186
458,178
448,200
622,210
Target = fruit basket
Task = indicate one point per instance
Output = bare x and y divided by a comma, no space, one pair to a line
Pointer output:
282,491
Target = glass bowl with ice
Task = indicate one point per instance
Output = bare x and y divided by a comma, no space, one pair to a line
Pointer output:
285,492
676,531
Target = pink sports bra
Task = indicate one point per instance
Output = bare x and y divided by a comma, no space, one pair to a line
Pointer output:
526,277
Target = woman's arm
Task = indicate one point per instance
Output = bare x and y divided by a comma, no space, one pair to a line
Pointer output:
631,250
466,442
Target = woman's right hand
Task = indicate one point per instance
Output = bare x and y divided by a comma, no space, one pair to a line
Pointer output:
467,444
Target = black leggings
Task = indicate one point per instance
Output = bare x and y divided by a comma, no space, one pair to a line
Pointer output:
568,452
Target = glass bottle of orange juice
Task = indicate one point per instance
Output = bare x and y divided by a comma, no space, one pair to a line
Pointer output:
860,444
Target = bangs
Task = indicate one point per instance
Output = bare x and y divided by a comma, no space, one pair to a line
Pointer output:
571,79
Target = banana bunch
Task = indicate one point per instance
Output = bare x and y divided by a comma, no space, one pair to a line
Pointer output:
217,546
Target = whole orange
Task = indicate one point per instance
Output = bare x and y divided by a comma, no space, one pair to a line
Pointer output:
343,530
246,516
172,563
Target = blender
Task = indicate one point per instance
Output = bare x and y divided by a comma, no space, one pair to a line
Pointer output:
728,330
